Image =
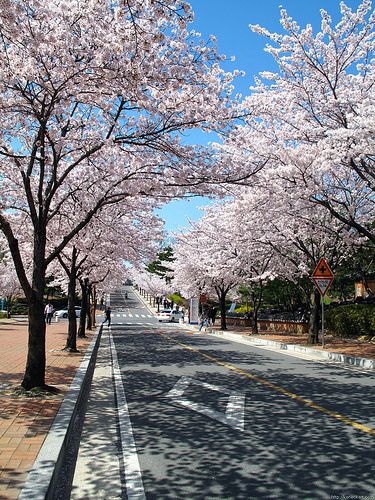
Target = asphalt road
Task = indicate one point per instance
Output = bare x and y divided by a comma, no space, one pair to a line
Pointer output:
206,418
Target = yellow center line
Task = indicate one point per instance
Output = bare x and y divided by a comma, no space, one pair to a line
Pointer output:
279,389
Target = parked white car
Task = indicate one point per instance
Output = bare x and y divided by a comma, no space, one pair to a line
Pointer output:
169,315
63,313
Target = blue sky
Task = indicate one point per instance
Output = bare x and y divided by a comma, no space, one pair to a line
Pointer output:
229,21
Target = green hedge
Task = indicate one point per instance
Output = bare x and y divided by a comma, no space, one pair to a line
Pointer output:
243,309
352,320
19,309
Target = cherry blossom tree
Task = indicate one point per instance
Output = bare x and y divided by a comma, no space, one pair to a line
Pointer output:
311,123
153,284
207,260
126,232
296,233
93,98
260,234
222,252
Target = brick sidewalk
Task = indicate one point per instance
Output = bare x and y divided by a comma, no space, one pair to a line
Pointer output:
25,422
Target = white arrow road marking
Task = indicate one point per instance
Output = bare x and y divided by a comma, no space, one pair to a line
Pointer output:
234,415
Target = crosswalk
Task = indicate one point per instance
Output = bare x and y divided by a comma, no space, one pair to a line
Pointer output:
129,319
128,315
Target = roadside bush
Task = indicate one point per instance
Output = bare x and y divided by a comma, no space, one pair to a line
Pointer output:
243,309
21,309
3,314
352,320
178,299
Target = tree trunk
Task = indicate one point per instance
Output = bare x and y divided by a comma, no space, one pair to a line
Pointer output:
71,341
313,335
82,318
36,357
223,319
89,306
8,299
254,326
93,306
257,302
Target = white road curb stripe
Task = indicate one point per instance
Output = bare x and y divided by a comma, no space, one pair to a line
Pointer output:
133,475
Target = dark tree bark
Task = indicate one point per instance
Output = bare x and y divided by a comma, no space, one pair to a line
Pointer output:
71,341
90,304
36,357
8,302
313,335
256,303
84,301
221,292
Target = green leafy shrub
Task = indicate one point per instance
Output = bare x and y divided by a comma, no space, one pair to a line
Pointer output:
19,309
178,299
3,314
352,320
243,309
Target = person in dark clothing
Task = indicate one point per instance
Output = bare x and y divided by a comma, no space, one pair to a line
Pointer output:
212,315
107,316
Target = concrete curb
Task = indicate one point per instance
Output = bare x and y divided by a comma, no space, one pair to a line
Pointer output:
333,356
43,478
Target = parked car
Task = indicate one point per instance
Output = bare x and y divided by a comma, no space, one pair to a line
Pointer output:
63,313
169,315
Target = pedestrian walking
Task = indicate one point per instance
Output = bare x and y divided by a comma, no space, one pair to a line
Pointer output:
107,316
212,315
48,313
203,322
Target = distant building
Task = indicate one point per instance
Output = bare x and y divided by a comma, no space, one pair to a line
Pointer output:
361,291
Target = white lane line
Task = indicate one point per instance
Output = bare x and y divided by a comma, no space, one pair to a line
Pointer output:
133,475
137,315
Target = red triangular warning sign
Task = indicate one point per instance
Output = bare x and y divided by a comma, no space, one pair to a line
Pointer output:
322,270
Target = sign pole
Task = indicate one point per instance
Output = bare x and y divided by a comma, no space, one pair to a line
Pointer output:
322,300
322,278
